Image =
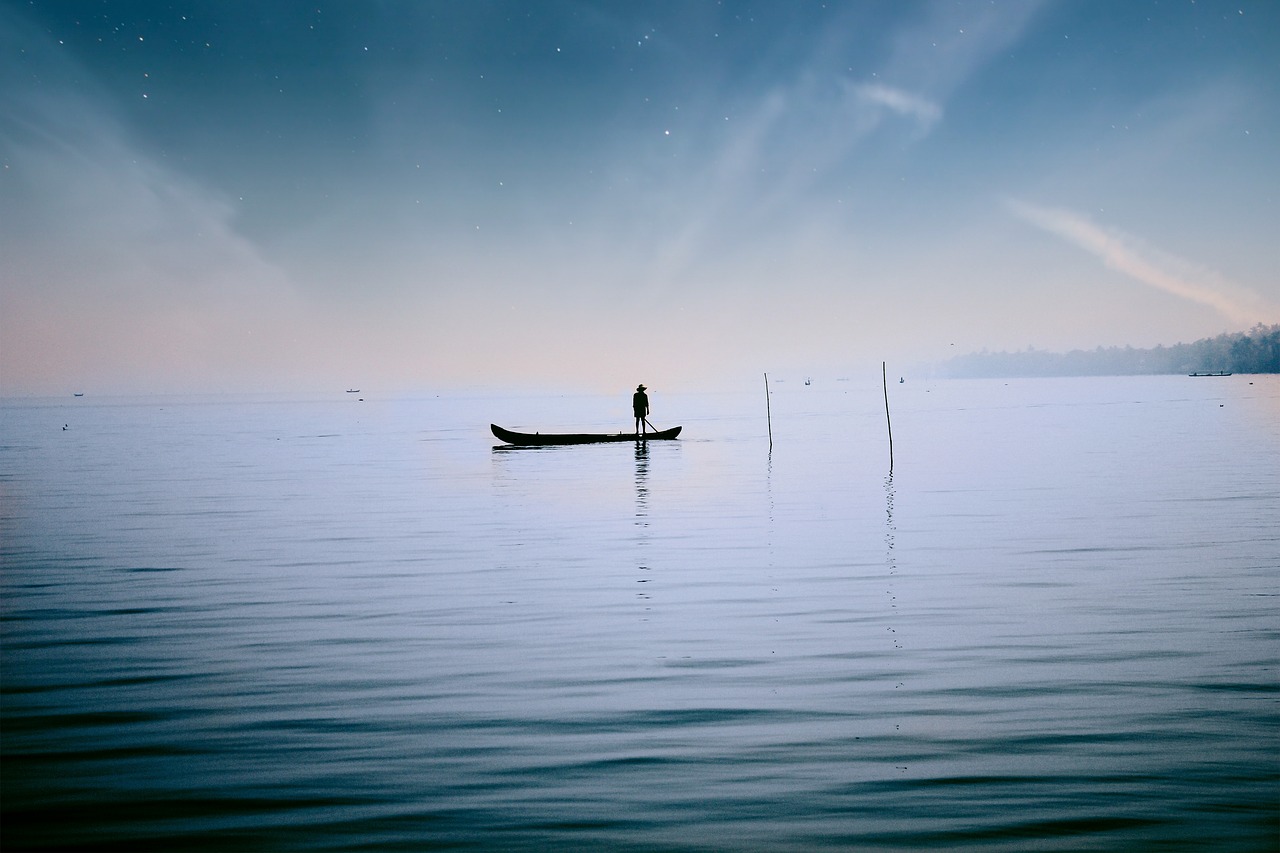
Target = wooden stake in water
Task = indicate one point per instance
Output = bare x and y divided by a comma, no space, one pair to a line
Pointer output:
885,380
768,413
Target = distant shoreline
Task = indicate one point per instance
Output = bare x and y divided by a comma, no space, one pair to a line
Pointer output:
1254,351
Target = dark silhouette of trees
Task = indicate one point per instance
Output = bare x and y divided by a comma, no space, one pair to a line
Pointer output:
1254,351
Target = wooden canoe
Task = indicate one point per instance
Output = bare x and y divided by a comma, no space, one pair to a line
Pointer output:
534,439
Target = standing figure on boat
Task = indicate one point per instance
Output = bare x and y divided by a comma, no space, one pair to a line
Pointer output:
640,405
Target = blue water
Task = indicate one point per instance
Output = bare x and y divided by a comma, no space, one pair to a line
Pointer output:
352,623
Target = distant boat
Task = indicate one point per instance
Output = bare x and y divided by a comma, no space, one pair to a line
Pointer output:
78,394
536,439
353,390
1218,373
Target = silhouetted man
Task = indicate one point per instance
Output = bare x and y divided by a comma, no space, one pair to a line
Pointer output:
640,405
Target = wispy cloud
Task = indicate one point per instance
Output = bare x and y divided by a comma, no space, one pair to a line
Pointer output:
904,103
115,259
803,131
1127,254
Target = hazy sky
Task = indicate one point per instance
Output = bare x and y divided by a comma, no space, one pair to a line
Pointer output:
395,194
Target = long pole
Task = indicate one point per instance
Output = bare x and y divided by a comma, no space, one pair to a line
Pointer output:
885,380
767,409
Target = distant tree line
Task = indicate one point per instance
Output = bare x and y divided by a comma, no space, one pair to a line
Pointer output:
1254,351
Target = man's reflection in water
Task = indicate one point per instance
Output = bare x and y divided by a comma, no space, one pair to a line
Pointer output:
642,478
642,511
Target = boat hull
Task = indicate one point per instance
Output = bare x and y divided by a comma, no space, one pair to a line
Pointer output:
526,439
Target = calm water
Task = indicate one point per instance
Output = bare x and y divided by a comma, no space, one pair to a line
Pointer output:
310,624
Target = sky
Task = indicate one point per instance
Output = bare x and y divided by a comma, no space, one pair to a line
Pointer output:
407,194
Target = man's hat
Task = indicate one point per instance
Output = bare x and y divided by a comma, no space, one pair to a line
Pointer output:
639,387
